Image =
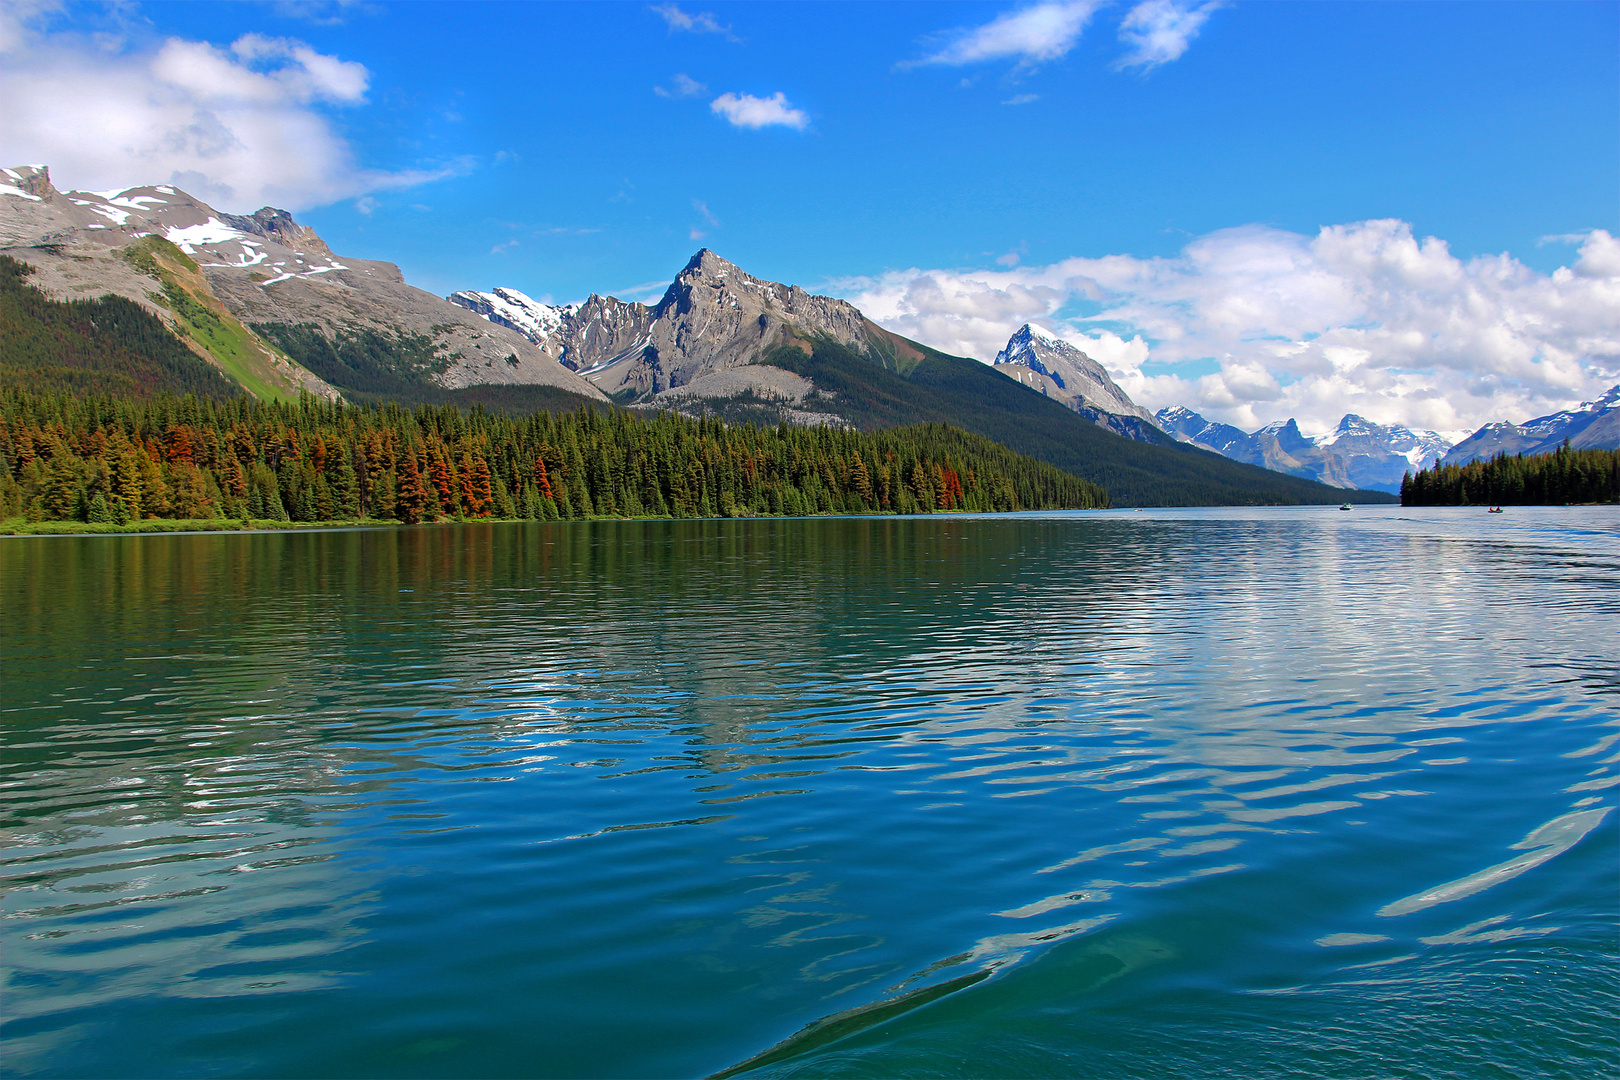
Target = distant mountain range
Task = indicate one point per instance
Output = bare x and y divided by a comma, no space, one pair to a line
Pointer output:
1592,425
1358,453
1362,454
272,307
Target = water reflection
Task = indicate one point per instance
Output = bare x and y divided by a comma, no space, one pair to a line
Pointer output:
736,777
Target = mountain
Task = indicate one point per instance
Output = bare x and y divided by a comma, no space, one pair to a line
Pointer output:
1356,454
268,303
722,342
713,319
264,298
1062,372
1592,425
1188,426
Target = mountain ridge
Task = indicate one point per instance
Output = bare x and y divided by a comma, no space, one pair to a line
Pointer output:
256,269
1591,425
1045,362
1357,453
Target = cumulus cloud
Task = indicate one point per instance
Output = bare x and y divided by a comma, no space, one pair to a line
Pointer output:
241,127
1253,324
702,22
746,110
1031,35
1159,31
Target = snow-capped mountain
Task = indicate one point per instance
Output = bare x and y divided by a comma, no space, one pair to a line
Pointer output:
1187,426
713,318
262,268
1356,454
1592,425
1057,369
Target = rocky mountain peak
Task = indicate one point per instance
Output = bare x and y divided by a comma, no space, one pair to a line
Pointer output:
32,180
1043,361
277,225
707,266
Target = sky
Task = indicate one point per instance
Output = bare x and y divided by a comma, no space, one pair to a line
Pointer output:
1255,210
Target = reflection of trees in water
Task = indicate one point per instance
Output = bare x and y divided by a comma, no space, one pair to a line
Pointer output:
1172,689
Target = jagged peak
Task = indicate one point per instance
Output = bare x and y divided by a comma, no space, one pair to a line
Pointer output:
1608,399
709,266
31,180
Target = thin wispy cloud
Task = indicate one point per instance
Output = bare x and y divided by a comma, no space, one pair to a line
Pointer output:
701,22
697,232
1022,99
1031,35
323,12
1159,31
748,111
681,86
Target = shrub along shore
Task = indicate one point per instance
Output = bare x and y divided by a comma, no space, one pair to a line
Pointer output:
101,463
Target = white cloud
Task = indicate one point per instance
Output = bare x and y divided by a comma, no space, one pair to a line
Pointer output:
212,75
1362,318
1159,31
20,19
240,127
702,22
681,86
1022,99
1032,35
320,12
746,110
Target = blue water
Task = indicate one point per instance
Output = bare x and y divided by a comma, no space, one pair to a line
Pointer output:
1246,793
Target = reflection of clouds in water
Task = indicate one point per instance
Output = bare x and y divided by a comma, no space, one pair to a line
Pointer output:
1546,842
827,773
179,908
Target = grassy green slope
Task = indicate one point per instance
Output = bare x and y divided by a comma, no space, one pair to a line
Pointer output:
203,317
887,391
109,345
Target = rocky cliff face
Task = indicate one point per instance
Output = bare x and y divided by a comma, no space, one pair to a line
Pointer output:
713,318
263,267
578,336
1060,371
1356,454
1592,425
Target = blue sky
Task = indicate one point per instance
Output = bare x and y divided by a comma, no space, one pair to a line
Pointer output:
864,148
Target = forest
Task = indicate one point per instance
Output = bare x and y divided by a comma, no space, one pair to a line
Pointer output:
1563,476
116,460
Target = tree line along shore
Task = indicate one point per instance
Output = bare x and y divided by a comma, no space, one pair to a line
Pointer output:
118,463
1563,476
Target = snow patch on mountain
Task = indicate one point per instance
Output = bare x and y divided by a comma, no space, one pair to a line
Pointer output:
1042,361
1591,425
1358,453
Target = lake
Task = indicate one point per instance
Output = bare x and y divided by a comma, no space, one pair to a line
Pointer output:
1206,793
